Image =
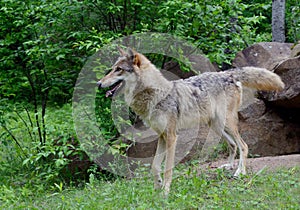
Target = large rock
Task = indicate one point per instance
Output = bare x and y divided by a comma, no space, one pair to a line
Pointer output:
275,57
289,71
265,54
267,132
275,129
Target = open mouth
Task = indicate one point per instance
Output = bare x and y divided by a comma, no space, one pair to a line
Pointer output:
115,87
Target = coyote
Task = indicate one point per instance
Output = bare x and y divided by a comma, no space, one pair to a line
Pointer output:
166,106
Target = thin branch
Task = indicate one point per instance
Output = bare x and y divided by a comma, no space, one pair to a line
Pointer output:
44,105
15,139
30,121
35,103
26,125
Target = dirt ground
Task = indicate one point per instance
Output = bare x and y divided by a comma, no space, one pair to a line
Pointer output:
263,163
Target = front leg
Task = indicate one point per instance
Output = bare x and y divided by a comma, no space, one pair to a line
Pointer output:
170,156
157,161
171,139
165,126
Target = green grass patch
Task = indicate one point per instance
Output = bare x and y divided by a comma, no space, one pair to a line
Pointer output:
190,190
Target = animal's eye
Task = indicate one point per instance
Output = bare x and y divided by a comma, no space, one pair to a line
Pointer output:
107,72
118,69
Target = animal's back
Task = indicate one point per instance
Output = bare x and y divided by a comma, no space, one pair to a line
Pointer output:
211,94
199,97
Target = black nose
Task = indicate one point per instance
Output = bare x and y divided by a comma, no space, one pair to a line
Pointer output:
99,84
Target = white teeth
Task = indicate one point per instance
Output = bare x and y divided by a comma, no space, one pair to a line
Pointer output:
108,93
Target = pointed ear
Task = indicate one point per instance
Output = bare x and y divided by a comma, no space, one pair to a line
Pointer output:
135,57
121,51
131,53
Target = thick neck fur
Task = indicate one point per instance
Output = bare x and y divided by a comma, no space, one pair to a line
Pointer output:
145,88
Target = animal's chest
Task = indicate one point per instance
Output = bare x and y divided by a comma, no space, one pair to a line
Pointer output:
141,101
150,104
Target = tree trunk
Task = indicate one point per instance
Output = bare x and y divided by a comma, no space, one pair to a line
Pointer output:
278,18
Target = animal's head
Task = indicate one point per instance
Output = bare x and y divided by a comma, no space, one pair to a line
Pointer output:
125,69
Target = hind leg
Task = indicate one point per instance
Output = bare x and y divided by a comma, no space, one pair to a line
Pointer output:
220,126
243,149
232,150
232,130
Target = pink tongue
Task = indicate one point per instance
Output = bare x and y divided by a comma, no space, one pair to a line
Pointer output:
111,92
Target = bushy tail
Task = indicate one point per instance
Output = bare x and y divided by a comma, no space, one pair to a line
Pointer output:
259,78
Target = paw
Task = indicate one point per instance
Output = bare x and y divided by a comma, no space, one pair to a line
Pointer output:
227,166
166,191
239,172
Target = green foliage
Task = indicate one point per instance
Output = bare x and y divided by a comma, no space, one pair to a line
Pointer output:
219,29
104,115
293,20
35,51
60,159
45,43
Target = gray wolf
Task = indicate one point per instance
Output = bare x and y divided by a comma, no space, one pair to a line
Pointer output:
166,106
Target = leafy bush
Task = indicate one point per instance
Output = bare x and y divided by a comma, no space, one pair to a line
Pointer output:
45,44
36,54
59,159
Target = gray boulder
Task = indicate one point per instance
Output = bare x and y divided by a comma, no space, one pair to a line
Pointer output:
265,54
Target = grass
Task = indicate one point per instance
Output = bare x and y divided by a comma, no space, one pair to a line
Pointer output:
190,190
